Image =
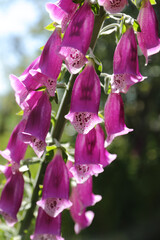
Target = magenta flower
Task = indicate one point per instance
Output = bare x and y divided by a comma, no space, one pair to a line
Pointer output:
125,63
25,83
47,227
87,157
61,11
85,195
148,39
49,64
37,125
6,170
16,149
77,38
30,101
55,195
85,101
114,117
81,218
113,6
11,198
105,157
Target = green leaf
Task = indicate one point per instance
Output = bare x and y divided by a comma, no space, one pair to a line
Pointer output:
41,48
78,1
64,154
50,148
153,2
100,115
109,89
56,97
50,27
49,156
20,113
137,3
98,67
40,89
124,28
95,8
136,26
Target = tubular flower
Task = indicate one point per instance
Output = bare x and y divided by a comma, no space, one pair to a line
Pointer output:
61,11
85,195
55,195
11,198
125,63
37,125
105,157
47,227
77,38
30,101
49,64
114,117
148,39
113,6
6,170
81,218
87,157
16,149
85,101
25,83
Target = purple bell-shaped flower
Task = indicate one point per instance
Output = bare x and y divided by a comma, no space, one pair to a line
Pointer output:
55,195
148,39
87,156
85,100
37,125
105,157
16,149
85,194
25,83
113,6
125,63
47,227
11,198
61,11
114,117
81,218
77,38
49,64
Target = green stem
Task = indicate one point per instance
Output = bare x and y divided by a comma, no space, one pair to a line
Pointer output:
58,130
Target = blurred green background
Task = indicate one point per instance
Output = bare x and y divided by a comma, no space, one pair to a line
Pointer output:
130,186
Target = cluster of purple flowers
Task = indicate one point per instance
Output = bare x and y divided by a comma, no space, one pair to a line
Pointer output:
76,22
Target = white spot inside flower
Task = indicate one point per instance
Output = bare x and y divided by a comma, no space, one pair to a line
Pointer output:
82,122
37,144
75,58
51,86
44,237
118,83
52,205
115,3
11,221
82,170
